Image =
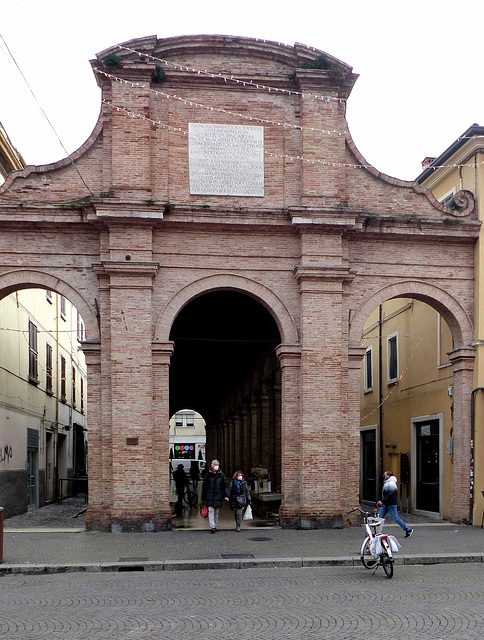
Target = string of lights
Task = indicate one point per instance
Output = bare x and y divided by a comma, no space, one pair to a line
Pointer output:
299,158
285,125
283,156
227,78
400,378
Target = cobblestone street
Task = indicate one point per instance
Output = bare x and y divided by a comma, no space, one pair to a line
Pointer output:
68,514
425,602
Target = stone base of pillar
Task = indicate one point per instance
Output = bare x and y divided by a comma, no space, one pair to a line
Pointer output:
98,520
132,525
313,522
334,521
162,520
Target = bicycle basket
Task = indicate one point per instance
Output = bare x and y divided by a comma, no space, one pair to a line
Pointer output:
376,524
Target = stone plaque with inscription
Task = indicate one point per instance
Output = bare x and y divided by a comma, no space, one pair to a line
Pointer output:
226,160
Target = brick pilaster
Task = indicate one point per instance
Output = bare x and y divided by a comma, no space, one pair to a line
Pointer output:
463,366
161,354
290,358
130,290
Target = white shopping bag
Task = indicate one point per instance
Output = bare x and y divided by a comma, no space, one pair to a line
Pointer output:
377,547
394,544
248,513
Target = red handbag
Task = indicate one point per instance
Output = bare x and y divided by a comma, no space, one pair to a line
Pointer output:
204,511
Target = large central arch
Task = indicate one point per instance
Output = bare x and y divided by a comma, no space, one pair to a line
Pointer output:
227,282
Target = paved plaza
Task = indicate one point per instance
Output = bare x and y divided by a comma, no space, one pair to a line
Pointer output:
54,539
59,581
425,602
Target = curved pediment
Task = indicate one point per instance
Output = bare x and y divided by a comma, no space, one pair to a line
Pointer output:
221,54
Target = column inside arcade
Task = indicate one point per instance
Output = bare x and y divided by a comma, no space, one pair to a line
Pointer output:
248,435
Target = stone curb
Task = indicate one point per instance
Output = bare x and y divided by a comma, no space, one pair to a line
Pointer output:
252,563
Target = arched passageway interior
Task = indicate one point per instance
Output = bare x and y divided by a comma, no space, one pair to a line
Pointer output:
224,366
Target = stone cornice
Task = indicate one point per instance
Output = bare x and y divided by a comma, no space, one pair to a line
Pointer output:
340,218
162,352
453,228
289,354
92,351
112,208
323,274
128,268
462,358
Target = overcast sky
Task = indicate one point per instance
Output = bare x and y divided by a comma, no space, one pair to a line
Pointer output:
420,64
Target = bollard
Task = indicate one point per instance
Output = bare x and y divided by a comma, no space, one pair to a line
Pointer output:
1,535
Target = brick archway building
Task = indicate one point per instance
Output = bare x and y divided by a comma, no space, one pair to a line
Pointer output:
156,210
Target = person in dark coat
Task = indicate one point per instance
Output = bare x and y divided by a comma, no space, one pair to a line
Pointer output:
181,482
194,473
239,497
214,492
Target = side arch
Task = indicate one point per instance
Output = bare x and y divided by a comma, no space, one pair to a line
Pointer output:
31,279
273,304
453,313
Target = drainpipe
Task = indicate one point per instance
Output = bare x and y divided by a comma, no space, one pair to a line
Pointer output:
471,487
380,392
56,431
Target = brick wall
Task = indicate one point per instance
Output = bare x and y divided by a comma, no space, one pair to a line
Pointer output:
323,246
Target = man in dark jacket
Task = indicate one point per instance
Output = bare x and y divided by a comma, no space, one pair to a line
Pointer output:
214,491
388,503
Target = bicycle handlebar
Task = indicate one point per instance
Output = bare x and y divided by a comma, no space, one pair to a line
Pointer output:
365,513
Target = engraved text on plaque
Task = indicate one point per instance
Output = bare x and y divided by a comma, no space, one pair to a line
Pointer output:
226,160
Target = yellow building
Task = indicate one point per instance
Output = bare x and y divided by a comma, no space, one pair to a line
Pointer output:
10,158
461,167
407,422
42,399
406,410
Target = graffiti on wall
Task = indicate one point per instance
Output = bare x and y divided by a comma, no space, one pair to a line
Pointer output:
6,453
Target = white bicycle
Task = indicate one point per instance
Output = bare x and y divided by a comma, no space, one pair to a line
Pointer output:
377,548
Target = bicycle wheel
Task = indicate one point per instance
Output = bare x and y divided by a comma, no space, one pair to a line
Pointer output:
191,498
387,566
368,561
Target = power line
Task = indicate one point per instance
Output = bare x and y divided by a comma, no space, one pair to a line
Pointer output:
45,115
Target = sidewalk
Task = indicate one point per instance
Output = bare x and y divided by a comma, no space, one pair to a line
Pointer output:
51,540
